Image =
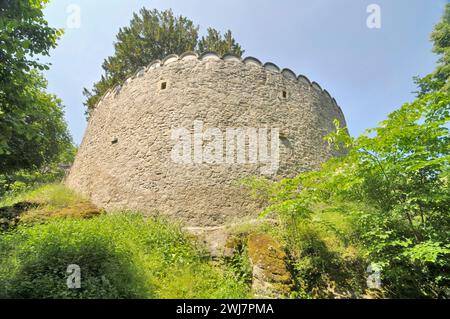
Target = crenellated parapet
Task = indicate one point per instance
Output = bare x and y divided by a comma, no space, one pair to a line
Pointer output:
288,74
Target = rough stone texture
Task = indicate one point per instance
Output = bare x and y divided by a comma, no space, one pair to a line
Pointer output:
271,278
222,241
214,239
124,161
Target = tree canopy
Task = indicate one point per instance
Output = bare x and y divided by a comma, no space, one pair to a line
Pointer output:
215,42
33,131
440,78
153,35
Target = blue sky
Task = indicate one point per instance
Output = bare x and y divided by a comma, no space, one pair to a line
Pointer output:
368,71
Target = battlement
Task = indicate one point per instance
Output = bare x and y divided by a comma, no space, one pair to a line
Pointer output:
286,73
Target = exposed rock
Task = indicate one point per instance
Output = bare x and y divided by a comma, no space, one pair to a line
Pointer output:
222,241
271,278
231,246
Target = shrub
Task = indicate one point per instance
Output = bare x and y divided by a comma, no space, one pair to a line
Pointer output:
121,256
394,187
325,261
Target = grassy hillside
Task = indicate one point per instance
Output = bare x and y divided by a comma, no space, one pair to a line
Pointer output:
125,255
121,255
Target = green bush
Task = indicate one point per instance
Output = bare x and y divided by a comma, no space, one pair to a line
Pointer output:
120,256
393,187
19,181
324,259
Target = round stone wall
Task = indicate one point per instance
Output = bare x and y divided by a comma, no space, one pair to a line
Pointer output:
129,155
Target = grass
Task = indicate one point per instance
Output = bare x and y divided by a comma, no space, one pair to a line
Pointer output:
122,255
125,255
325,260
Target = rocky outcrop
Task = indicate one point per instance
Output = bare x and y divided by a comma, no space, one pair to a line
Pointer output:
271,278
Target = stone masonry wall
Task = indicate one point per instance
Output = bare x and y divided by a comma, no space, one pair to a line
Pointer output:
124,161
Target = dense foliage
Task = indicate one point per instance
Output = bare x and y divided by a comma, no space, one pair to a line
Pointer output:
440,78
153,35
44,135
394,184
33,132
393,187
215,42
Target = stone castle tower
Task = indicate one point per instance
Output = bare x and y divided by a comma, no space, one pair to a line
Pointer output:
128,157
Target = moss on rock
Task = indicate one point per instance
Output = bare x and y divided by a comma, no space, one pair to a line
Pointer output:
82,210
10,215
271,277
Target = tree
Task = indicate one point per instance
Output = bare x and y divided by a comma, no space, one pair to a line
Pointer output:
32,127
394,184
153,35
440,78
215,42
44,135
24,34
